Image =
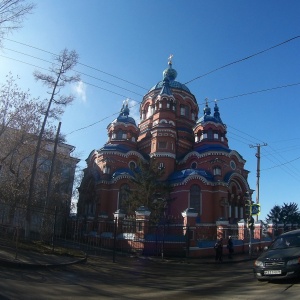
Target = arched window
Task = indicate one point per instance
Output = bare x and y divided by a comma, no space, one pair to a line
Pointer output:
123,197
194,165
210,134
184,110
195,198
217,171
132,165
119,135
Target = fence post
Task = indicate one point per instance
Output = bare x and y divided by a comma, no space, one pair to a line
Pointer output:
163,241
17,242
188,241
115,239
54,226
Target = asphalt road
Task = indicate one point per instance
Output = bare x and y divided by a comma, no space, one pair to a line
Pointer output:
131,278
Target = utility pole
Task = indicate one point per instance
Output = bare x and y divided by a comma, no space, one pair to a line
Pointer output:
258,170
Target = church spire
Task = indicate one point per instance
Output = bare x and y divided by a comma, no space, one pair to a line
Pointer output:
206,109
170,73
216,112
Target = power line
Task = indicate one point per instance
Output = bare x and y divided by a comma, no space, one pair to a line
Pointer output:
243,132
260,91
236,96
93,68
90,125
76,71
285,168
288,162
203,75
29,64
225,98
242,59
289,171
220,99
268,153
124,96
224,66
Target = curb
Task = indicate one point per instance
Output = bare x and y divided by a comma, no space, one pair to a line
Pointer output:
197,261
27,265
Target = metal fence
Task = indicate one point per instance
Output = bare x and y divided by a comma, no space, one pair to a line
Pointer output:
55,228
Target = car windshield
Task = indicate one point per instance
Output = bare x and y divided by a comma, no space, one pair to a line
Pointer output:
286,242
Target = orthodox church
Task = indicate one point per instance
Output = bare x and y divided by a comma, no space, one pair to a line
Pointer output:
204,173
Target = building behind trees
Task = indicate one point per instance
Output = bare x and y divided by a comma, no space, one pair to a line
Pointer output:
17,152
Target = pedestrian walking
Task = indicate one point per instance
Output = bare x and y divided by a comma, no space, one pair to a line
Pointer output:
219,250
230,247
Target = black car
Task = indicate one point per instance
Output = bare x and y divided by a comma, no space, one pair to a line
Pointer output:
281,259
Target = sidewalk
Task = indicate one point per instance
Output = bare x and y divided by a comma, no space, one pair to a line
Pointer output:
23,258
31,259
237,258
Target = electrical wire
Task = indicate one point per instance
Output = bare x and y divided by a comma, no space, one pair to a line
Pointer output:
288,162
87,66
221,99
243,59
222,67
76,71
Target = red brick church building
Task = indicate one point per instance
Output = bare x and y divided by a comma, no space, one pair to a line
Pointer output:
192,147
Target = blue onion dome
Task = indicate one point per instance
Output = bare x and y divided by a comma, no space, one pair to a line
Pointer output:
124,114
206,109
170,74
207,117
217,113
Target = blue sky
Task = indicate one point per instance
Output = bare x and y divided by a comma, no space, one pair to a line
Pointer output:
123,48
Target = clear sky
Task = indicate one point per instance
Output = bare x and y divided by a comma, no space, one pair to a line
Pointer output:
124,46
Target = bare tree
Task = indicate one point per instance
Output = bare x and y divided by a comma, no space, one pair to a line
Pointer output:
21,118
12,15
17,111
55,81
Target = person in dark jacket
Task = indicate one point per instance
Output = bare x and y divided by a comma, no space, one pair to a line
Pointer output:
219,250
230,247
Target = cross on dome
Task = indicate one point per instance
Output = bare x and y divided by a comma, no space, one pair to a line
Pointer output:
170,59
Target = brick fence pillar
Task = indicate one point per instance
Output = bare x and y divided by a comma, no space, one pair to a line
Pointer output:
257,230
271,230
142,221
241,227
189,223
119,216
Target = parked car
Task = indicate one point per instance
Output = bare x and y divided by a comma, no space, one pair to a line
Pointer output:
281,259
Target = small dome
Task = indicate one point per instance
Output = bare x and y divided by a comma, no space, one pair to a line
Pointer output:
173,84
170,74
124,119
207,117
124,115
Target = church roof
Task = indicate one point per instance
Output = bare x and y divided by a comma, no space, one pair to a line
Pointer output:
212,147
170,75
115,147
122,171
179,176
124,115
207,117
173,84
